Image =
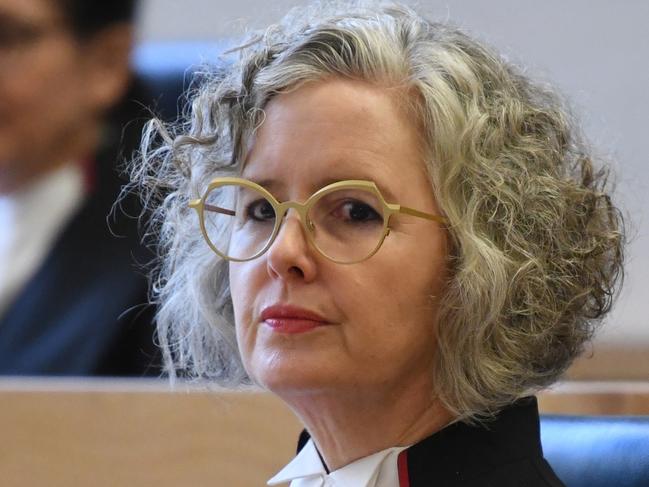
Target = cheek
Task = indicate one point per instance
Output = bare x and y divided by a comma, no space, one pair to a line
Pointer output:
398,305
243,289
41,107
43,81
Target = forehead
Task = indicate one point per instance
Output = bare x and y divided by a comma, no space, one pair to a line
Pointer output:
332,130
29,11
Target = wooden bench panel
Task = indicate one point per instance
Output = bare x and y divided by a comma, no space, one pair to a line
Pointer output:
119,437
611,362
140,433
596,398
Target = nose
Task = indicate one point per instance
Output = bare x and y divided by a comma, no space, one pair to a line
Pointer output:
290,255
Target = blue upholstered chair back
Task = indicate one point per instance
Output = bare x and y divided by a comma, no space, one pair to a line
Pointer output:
597,451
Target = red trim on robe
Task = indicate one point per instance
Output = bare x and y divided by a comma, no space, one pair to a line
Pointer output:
402,468
89,168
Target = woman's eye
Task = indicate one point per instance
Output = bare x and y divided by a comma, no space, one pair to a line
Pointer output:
357,211
260,210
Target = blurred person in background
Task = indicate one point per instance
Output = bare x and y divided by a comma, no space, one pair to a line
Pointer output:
70,291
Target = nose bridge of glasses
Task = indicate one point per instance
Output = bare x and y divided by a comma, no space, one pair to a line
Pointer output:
299,208
287,227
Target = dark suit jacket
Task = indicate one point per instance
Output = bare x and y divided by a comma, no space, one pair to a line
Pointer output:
84,312
504,453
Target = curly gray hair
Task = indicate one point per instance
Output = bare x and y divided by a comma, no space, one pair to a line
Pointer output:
537,243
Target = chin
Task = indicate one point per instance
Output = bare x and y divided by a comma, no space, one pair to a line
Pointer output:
288,375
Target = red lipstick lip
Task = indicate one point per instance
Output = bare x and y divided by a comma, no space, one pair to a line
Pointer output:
289,312
291,319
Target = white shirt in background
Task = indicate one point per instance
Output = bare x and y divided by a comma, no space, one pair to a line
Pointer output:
306,470
30,221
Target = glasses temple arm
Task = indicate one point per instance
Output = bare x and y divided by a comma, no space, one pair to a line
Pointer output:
421,214
206,206
218,209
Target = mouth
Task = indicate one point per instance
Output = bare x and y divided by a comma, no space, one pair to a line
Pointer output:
292,319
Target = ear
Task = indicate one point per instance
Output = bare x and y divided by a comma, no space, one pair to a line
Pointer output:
107,62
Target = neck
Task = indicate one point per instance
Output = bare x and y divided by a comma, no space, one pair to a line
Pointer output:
19,174
349,426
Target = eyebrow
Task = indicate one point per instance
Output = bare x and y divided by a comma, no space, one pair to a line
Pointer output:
274,185
271,185
8,19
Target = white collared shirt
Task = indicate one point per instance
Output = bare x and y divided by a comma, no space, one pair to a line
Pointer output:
30,221
306,470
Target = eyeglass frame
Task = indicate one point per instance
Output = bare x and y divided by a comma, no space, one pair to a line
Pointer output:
302,210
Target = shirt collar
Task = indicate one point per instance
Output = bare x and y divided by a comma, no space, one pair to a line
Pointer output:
31,219
360,473
307,463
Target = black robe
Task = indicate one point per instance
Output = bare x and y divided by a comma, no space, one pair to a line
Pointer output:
505,452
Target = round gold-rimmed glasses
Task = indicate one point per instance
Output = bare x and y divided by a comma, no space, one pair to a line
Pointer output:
346,221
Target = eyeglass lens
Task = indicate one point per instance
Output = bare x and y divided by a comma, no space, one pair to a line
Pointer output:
346,225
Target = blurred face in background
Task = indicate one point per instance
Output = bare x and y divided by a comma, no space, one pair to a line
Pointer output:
54,88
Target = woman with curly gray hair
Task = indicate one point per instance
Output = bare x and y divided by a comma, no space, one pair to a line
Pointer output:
384,223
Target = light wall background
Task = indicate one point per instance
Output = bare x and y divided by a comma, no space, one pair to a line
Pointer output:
595,51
